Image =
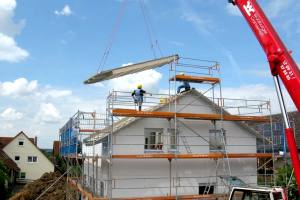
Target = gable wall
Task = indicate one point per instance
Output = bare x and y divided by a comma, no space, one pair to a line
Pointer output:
155,172
33,170
130,140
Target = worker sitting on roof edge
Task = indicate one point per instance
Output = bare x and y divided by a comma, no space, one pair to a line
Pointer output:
138,96
185,85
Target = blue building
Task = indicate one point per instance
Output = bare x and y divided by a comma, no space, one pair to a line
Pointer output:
275,132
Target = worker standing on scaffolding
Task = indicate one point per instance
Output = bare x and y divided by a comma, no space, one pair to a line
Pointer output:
138,96
185,85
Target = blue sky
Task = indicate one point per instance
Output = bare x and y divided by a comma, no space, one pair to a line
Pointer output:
48,48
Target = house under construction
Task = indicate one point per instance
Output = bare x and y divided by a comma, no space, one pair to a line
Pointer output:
188,145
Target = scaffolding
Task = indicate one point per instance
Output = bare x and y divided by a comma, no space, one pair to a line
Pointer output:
90,140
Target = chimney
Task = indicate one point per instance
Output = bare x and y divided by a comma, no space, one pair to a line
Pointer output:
35,140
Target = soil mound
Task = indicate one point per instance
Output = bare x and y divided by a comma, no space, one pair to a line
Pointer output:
60,191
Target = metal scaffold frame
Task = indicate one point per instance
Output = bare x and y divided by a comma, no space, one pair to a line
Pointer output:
98,182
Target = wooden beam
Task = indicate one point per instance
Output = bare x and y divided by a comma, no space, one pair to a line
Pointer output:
195,79
199,116
192,156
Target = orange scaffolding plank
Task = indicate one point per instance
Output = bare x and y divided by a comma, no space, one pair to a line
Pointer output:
169,115
89,130
195,79
192,156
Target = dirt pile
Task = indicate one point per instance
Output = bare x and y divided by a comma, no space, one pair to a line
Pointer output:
59,191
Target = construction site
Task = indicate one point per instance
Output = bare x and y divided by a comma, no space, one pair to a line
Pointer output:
186,140
190,145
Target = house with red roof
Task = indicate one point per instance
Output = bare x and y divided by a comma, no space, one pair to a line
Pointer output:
23,158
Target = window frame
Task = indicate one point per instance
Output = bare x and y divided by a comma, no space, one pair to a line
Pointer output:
18,159
21,145
32,159
20,175
157,139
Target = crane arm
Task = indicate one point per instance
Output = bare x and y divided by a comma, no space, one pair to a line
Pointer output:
280,60
281,65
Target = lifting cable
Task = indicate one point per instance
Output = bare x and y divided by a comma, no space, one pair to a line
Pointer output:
112,36
150,30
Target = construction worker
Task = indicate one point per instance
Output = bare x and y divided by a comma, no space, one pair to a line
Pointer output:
138,96
185,85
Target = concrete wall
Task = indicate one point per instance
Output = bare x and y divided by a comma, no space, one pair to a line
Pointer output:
33,170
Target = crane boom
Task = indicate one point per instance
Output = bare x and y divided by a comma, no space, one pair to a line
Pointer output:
281,62
281,65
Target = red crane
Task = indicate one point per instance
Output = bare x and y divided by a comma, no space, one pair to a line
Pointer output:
281,64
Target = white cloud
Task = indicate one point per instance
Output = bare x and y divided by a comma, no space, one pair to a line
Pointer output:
8,4
49,113
276,7
22,87
9,50
233,10
66,11
11,114
203,25
45,108
54,93
7,25
6,126
149,79
259,92
18,87
99,84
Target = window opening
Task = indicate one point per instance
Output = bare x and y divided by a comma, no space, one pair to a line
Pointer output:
217,140
153,138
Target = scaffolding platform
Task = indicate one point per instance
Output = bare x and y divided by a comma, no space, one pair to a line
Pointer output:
90,144
89,130
170,115
192,156
195,79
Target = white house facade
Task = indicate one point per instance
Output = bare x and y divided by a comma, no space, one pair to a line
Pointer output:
155,176
29,158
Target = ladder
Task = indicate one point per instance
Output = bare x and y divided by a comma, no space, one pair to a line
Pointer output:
183,138
186,144
222,163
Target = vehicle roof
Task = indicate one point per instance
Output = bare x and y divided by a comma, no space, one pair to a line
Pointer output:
261,189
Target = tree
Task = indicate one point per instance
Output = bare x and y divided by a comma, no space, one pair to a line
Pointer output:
60,164
284,179
3,180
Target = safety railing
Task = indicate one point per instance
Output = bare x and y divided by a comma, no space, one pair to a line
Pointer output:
196,67
78,128
243,107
